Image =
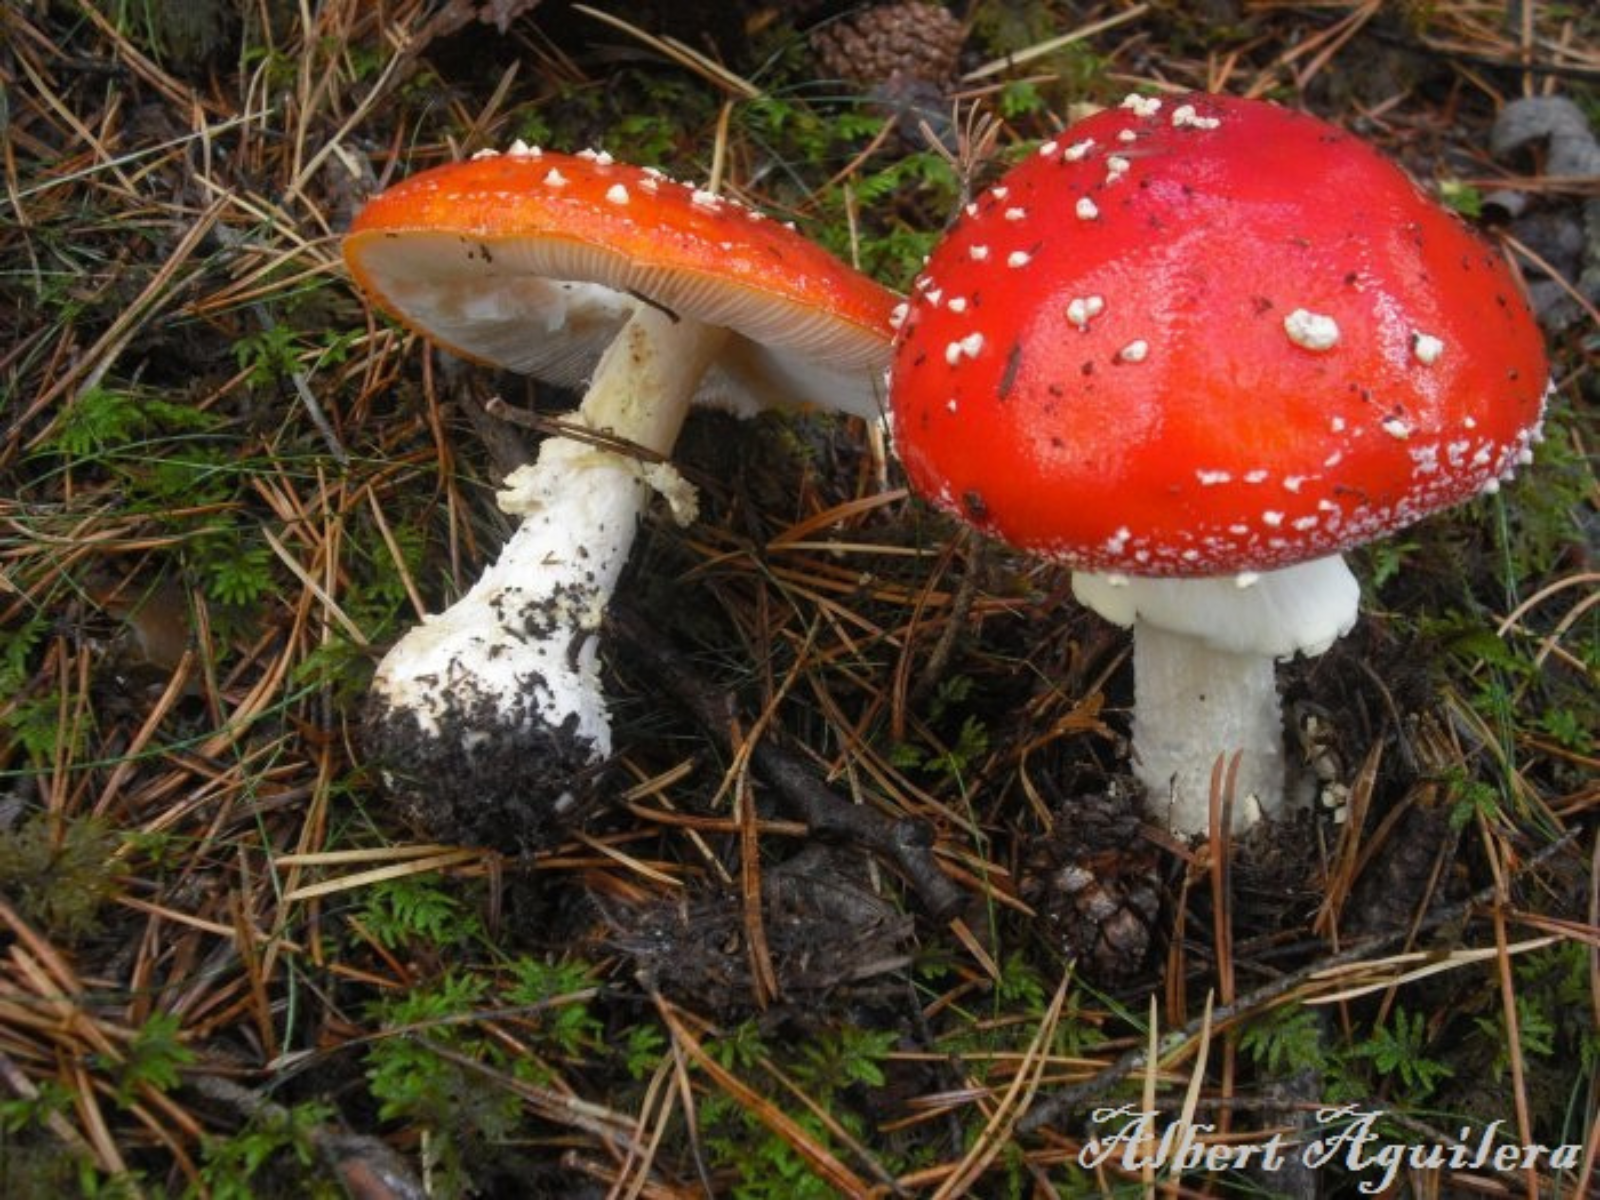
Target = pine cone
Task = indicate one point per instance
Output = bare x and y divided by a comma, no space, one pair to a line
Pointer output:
891,45
1097,886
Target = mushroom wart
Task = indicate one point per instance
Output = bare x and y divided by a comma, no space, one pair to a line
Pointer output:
1266,347
486,717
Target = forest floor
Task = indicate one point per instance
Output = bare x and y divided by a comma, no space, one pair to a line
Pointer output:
896,926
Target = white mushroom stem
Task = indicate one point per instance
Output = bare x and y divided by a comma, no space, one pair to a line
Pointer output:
520,646
1204,681
1192,704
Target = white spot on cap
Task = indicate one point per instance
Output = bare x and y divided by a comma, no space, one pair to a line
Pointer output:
1311,331
1143,106
1212,478
1294,483
1186,116
1016,214
1085,209
978,253
555,178
1047,148
897,315
704,198
1135,351
617,194
1127,135
1427,348
958,304
1083,309
521,149
968,346
1272,518
486,152
1256,476
1000,192
1116,168
1396,428
1018,258
1077,150
1426,458
1337,424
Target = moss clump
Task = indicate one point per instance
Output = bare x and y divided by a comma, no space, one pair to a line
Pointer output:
58,874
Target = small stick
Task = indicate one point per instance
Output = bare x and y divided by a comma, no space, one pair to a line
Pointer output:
560,427
905,843
932,673
368,1168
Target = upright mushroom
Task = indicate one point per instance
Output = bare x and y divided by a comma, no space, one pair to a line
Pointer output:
1196,348
485,716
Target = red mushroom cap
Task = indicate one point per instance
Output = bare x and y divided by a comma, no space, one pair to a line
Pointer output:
488,257
1204,335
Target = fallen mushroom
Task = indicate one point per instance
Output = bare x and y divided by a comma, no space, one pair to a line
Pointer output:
1195,348
486,717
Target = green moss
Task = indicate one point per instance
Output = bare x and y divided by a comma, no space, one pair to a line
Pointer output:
58,874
